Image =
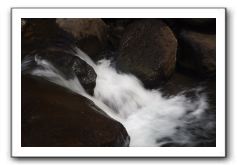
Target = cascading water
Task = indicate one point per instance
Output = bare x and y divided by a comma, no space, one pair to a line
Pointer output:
149,118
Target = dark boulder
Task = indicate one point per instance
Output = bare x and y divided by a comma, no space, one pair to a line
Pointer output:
148,50
197,53
90,33
53,116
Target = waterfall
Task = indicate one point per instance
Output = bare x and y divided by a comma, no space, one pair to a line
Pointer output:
149,118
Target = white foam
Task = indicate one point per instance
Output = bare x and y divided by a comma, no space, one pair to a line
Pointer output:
147,116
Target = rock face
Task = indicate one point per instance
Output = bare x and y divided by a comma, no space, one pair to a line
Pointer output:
52,116
148,50
43,37
90,33
197,52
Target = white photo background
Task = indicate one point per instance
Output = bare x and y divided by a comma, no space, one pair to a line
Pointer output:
118,82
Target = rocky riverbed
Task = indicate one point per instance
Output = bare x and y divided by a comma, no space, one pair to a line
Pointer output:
173,56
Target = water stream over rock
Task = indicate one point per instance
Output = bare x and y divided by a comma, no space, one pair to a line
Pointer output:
149,118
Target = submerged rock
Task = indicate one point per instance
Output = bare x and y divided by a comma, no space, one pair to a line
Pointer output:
197,52
148,50
52,116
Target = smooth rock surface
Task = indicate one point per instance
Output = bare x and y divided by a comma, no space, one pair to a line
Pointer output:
90,33
148,50
52,116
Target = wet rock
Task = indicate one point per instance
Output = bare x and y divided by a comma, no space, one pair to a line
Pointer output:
197,53
188,85
44,39
90,33
72,66
148,50
52,116
179,83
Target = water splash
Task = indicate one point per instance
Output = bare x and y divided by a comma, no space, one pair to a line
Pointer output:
149,118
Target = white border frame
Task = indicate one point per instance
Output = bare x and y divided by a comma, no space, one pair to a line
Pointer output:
218,151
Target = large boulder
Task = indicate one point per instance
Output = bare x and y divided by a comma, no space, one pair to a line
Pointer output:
44,39
91,33
197,52
148,50
53,116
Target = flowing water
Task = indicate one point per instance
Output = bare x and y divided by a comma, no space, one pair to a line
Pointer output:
149,118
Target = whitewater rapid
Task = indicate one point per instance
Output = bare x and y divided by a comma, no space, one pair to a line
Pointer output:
149,118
